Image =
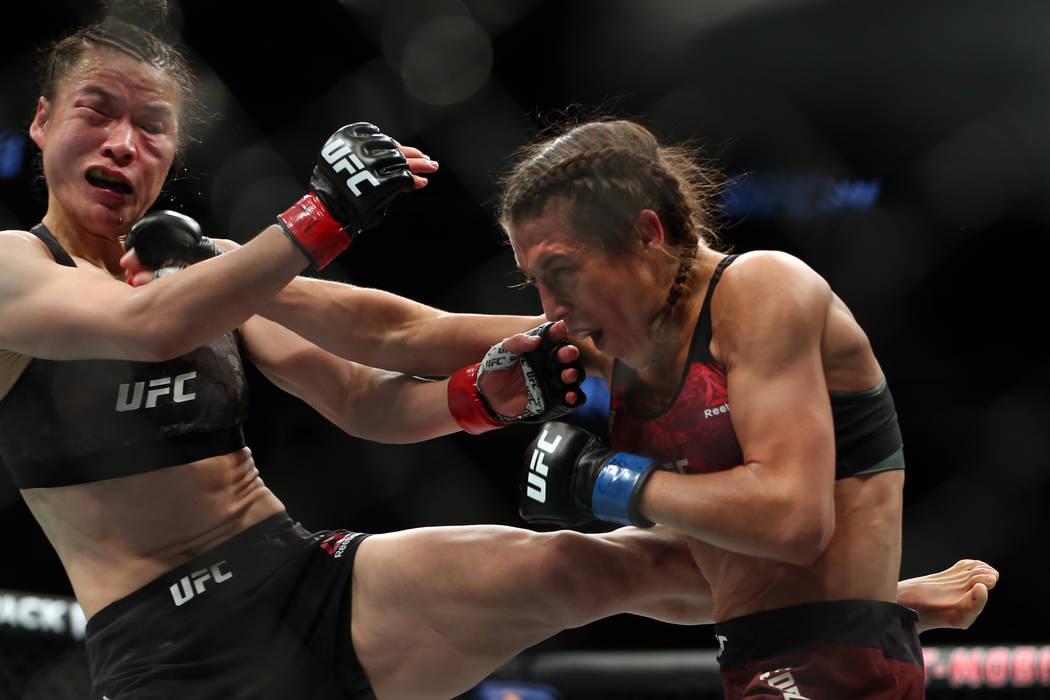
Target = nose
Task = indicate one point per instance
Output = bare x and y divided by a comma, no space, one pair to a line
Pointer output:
120,141
555,309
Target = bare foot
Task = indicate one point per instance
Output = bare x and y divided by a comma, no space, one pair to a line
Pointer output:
952,598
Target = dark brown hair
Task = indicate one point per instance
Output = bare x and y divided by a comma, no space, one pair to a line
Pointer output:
609,170
134,28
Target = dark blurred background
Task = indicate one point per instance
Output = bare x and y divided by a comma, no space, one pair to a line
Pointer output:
897,147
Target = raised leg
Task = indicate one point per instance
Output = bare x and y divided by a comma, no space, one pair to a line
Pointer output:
952,598
436,610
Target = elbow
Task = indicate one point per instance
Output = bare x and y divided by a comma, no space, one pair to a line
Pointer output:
159,341
147,333
806,539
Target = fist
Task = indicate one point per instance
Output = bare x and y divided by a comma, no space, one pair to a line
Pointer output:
359,173
168,239
570,476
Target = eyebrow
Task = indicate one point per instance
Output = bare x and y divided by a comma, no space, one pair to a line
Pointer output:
156,108
547,260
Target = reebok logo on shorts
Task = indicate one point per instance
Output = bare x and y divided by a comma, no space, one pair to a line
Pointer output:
337,544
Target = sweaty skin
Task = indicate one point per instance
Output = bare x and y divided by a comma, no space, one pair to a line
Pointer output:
777,529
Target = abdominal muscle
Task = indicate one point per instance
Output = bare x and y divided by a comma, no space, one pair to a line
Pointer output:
862,561
115,536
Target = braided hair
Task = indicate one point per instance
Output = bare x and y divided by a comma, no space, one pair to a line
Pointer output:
609,170
134,28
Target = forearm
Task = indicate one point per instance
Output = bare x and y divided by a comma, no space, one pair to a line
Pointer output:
399,409
742,510
384,330
362,401
186,310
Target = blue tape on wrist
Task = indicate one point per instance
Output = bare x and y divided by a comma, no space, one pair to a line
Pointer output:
615,483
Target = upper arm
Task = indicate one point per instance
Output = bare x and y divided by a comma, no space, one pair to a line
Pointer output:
325,382
777,390
57,312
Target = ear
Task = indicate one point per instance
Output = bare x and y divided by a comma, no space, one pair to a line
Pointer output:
38,127
649,228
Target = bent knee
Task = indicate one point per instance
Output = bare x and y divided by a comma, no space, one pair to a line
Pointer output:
585,577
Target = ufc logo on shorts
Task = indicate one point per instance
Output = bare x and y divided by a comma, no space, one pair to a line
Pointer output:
536,488
338,154
129,396
782,680
188,587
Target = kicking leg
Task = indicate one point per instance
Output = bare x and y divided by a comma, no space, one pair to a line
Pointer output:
436,610
952,598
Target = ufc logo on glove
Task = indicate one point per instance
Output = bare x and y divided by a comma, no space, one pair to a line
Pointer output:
537,482
339,154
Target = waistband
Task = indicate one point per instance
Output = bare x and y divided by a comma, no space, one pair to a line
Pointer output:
870,623
251,553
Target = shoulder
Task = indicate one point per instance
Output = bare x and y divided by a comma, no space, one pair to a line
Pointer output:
22,242
764,299
771,277
773,265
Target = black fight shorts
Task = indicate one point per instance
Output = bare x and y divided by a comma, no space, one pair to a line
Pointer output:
862,649
264,615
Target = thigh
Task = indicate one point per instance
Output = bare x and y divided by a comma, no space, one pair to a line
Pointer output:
435,610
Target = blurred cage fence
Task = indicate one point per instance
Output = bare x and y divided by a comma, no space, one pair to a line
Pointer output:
43,658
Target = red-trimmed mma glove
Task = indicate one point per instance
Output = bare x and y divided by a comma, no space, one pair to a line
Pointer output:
542,372
359,173
571,477
166,241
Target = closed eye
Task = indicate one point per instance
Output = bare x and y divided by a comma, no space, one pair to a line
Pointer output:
94,112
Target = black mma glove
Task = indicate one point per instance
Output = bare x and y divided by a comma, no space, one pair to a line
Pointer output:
543,382
571,477
358,174
166,239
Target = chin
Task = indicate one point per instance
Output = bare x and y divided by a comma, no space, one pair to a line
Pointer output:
108,221
609,346
635,357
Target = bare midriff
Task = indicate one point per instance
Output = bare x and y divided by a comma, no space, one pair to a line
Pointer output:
861,562
115,536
